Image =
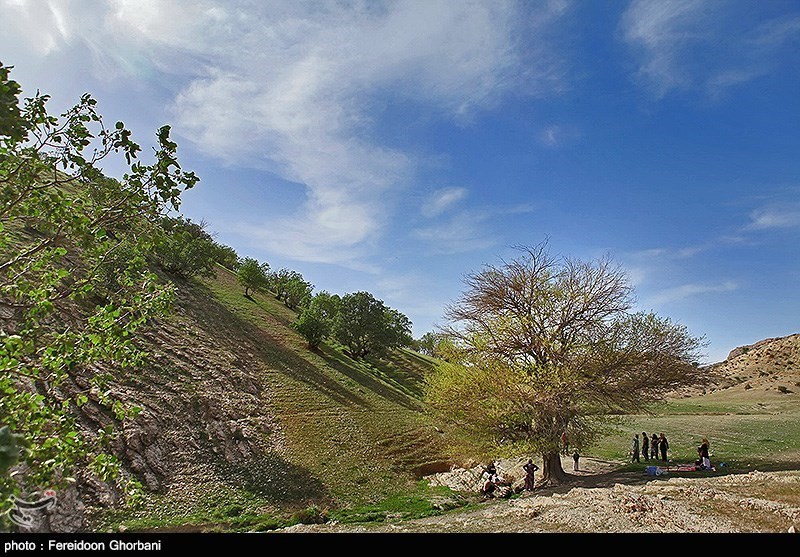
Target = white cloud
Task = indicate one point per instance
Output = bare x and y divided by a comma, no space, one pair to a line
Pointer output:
299,81
694,44
682,292
441,200
296,88
774,217
671,253
465,231
660,30
556,135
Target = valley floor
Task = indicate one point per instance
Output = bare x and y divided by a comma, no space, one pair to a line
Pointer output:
600,500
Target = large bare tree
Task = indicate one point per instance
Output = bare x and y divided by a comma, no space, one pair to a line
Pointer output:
550,346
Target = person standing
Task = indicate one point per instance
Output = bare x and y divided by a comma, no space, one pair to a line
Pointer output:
575,457
635,449
664,446
654,446
530,481
645,446
704,454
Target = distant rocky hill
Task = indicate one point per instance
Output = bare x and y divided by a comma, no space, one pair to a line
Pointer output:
769,364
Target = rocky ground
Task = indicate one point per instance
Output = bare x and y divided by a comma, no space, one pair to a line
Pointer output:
600,500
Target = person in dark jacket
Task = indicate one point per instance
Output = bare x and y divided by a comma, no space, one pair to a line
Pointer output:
664,446
645,446
654,446
530,481
704,455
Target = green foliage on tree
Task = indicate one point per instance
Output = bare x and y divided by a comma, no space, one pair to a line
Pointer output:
253,275
185,249
365,325
397,329
227,257
291,288
74,285
437,345
548,346
315,322
11,446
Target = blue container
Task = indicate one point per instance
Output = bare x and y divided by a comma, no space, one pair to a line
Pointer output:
651,470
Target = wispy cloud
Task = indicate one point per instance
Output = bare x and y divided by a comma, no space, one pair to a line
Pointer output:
694,44
670,253
660,30
441,200
684,291
469,230
556,135
462,233
296,95
774,217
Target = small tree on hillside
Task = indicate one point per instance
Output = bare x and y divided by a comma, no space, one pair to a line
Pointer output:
253,275
397,330
436,345
548,347
227,257
185,248
298,292
290,287
316,320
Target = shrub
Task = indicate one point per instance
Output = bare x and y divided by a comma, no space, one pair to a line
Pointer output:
311,515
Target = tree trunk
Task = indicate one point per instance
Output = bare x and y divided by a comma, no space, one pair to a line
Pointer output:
552,472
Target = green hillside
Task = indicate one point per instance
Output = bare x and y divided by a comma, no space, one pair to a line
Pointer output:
241,419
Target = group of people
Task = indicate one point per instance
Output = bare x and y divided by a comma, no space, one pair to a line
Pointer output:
654,445
650,447
492,479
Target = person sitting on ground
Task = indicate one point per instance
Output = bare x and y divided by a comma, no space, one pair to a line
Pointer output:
490,479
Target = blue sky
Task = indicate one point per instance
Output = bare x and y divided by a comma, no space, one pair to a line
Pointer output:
395,146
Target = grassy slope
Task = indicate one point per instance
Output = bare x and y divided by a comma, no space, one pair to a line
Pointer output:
353,424
323,429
